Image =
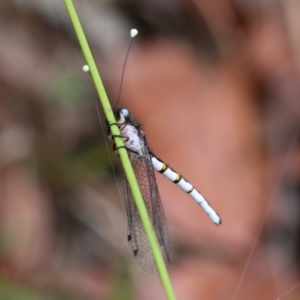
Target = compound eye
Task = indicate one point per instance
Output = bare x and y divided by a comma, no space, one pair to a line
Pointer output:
125,113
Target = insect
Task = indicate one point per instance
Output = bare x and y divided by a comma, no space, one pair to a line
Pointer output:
144,162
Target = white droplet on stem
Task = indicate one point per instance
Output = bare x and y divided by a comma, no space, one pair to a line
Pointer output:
133,32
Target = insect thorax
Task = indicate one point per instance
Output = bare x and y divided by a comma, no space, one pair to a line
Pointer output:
132,141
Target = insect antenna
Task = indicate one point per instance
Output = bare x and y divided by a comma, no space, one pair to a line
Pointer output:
133,33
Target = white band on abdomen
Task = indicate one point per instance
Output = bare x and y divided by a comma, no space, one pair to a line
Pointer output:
185,186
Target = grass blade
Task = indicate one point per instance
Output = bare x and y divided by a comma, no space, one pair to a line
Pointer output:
160,264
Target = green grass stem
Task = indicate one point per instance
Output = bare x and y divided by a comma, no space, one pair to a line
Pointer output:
159,261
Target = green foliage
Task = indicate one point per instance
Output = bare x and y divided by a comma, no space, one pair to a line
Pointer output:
10,290
122,287
68,88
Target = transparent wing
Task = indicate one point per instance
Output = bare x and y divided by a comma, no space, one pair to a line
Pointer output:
136,236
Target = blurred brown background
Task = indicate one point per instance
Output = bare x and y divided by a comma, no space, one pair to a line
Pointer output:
215,85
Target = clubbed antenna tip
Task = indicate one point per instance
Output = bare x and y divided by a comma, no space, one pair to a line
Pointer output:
85,68
133,32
